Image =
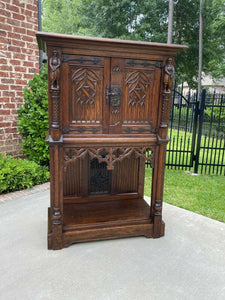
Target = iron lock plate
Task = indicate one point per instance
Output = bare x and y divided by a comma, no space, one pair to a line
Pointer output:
114,94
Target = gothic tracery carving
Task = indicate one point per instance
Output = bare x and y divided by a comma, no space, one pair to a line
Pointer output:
109,155
86,81
137,83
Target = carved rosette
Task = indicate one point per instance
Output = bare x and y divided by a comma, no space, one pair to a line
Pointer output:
54,77
167,90
109,155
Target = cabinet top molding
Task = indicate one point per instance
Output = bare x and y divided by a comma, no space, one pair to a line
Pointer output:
67,41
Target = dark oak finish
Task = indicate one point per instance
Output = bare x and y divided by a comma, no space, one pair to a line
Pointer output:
108,112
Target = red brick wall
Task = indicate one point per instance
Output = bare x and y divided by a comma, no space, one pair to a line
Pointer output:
19,59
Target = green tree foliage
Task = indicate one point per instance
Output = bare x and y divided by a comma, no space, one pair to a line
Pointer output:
63,17
215,10
136,20
33,119
148,21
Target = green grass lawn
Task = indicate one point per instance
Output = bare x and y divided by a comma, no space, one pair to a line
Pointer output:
198,193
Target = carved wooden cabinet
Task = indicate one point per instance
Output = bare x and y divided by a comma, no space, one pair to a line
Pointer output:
108,113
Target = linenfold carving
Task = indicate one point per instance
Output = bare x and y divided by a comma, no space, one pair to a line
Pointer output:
86,81
110,155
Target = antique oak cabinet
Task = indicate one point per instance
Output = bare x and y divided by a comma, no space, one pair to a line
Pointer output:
108,113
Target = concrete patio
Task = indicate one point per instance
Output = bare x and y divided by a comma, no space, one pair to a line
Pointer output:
188,263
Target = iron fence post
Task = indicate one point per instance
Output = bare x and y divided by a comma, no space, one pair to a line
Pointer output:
195,109
200,119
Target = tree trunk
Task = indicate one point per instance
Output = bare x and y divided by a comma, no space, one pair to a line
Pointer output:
170,23
200,51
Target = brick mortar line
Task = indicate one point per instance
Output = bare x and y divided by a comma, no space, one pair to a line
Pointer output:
33,10
18,194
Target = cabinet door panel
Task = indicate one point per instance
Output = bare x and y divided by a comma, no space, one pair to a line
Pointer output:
110,95
138,103
86,94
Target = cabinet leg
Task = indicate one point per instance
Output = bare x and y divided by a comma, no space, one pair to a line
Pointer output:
57,237
55,219
158,181
54,231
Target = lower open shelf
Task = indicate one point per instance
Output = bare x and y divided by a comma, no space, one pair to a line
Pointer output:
83,215
104,220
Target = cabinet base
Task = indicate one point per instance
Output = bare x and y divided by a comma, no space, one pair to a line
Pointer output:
102,221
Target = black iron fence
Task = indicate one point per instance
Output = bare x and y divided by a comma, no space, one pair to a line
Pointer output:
197,132
210,152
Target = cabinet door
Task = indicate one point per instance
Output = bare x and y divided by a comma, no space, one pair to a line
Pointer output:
134,94
85,109
103,95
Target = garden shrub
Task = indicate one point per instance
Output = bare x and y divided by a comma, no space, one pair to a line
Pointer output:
17,174
33,119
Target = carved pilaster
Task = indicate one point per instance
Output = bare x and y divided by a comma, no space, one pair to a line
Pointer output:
54,78
167,90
